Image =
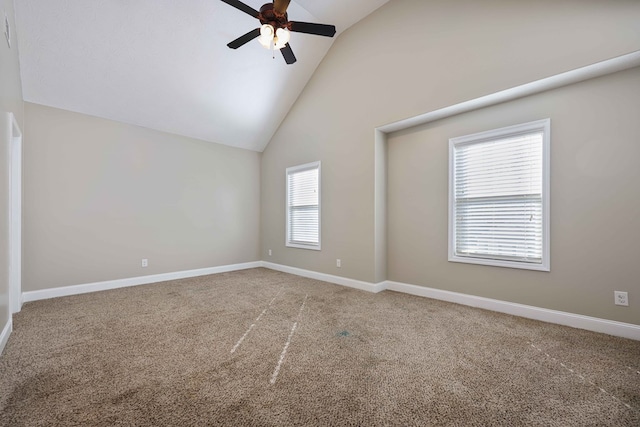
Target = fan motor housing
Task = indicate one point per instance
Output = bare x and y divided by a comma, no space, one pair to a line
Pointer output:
269,16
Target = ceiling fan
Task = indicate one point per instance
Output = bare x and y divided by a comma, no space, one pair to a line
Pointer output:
274,31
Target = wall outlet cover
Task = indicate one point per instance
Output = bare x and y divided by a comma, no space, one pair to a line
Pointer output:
621,298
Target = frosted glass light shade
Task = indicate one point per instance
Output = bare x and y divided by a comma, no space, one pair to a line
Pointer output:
282,37
266,36
266,31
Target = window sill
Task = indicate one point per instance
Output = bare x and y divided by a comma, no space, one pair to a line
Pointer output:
544,266
300,246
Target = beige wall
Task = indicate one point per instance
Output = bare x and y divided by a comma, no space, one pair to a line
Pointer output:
102,195
10,101
408,58
595,201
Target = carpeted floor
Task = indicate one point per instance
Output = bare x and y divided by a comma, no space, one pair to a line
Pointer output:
263,348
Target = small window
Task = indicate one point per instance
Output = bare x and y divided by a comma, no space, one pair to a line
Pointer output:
303,206
499,197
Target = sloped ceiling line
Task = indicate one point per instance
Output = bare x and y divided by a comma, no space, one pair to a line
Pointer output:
164,65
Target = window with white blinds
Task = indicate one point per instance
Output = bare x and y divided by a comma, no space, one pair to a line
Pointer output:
303,206
499,197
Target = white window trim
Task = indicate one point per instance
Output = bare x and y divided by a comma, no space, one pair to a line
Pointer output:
543,126
293,169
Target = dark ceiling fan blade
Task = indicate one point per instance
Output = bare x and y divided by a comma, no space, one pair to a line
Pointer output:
244,39
311,28
243,7
288,55
281,6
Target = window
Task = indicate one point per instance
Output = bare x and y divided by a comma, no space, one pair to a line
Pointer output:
499,197
303,206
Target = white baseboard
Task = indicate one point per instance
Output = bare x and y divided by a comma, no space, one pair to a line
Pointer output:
620,329
133,281
338,280
4,337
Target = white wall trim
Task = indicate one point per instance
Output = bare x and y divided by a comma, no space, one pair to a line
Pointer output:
594,324
15,214
625,330
338,280
133,281
620,329
4,336
599,69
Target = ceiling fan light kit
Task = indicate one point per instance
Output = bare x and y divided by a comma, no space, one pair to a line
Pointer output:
278,38
275,28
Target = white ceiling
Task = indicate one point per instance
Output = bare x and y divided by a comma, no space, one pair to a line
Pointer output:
164,64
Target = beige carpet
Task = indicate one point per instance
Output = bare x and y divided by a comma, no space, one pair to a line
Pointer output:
262,348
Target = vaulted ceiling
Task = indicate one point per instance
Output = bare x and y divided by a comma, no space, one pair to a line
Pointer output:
164,64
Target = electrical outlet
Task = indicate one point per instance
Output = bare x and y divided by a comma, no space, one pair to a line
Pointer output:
145,262
269,252
338,263
621,298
